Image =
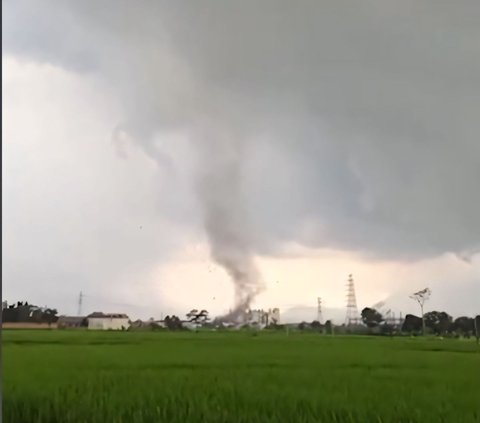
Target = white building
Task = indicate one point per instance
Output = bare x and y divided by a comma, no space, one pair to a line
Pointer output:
110,321
263,318
274,316
257,317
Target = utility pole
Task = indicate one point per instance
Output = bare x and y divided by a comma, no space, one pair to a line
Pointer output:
319,310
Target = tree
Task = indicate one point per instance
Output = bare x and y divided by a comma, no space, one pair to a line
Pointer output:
316,325
412,324
476,323
387,329
438,321
329,327
196,316
50,315
464,326
173,323
202,317
302,325
192,314
371,317
420,297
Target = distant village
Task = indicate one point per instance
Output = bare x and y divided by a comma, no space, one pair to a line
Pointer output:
23,315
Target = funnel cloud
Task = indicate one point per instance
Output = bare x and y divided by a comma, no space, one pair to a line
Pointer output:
220,191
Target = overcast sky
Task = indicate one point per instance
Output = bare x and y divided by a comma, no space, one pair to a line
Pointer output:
141,139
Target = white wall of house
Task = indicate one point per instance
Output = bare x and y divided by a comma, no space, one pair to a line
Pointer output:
262,317
257,316
106,323
274,314
191,325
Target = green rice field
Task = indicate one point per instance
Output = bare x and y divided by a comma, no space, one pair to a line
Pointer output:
56,376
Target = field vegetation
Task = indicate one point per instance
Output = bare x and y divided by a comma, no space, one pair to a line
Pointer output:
66,376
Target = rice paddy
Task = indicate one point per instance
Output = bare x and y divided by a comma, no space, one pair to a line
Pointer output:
56,376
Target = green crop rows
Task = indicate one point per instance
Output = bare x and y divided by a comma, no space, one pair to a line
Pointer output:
69,376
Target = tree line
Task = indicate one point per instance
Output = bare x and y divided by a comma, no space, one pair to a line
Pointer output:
434,322
28,313
372,322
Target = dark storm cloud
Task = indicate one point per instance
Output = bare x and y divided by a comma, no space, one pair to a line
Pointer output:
359,120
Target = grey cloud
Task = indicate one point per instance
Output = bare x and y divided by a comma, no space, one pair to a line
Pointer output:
76,217
359,120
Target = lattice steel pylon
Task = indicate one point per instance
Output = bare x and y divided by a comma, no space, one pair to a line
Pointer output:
352,310
80,300
319,310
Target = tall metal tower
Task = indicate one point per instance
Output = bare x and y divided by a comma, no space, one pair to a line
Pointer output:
319,310
80,300
352,310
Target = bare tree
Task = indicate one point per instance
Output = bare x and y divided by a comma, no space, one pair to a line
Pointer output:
420,297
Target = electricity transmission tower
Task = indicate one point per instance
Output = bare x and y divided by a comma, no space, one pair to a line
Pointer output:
319,310
352,310
80,300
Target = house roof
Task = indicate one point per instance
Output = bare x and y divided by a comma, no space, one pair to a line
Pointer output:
100,315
